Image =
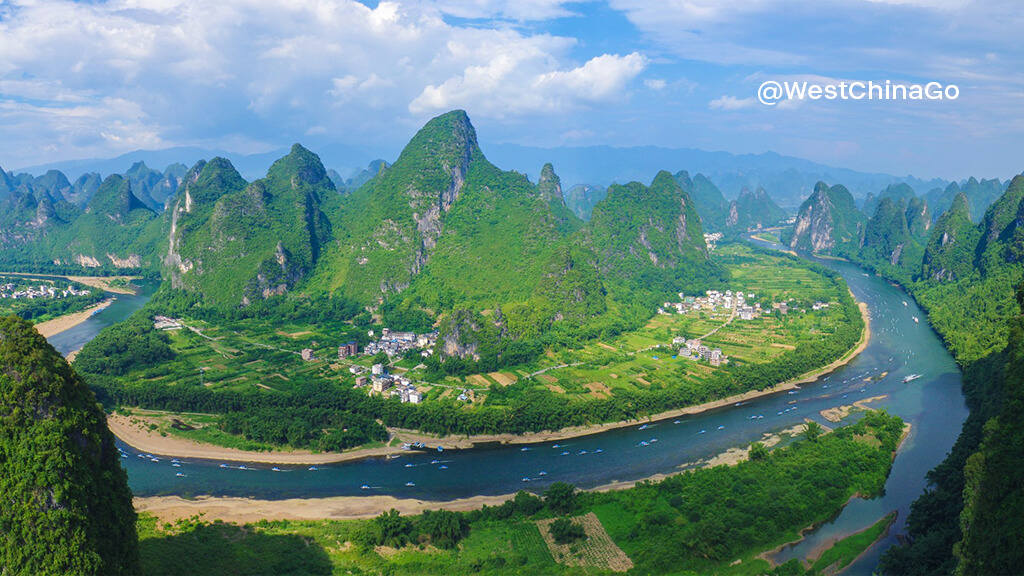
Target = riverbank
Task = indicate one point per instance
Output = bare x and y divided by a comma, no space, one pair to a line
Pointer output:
68,321
115,284
247,510
137,435
769,555
141,438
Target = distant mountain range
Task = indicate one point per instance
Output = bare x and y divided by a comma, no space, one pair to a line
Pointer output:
789,180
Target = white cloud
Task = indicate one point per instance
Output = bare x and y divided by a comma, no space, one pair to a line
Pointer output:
252,70
518,10
730,103
511,84
655,83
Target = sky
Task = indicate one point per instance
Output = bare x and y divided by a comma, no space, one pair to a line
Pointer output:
102,78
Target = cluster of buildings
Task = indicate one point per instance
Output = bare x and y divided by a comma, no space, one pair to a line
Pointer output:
19,292
711,239
166,323
381,382
714,300
693,349
395,343
729,300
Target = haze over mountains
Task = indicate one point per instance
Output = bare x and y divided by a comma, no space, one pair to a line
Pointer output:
788,179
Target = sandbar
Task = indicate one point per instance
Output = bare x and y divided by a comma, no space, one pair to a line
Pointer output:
68,321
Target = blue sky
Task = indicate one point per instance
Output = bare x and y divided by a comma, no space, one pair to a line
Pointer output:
97,79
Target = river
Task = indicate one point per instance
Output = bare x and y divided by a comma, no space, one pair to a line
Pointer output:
933,404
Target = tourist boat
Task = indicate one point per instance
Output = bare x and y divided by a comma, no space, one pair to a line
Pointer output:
911,378
410,484
313,468
916,320
364,487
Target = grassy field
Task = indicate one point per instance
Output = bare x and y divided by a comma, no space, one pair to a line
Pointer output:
326,547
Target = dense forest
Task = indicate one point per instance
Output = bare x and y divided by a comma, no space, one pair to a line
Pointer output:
66,507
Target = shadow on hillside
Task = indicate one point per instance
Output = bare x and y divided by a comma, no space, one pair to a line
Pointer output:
225,549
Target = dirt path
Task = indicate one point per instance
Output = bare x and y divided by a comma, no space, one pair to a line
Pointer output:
727,322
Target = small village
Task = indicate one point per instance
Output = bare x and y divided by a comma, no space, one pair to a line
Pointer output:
395,344
14,291
714,300
379,380
738,303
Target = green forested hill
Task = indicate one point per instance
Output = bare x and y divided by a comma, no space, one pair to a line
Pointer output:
711,206
235,243
888,243
445,224
648,237
753,209
108,231
66,506
949,254
828,221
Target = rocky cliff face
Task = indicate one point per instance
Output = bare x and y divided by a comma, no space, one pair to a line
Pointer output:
919,218
237,242
828,222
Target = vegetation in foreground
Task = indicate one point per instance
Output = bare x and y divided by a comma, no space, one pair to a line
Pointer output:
697,522
66,505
